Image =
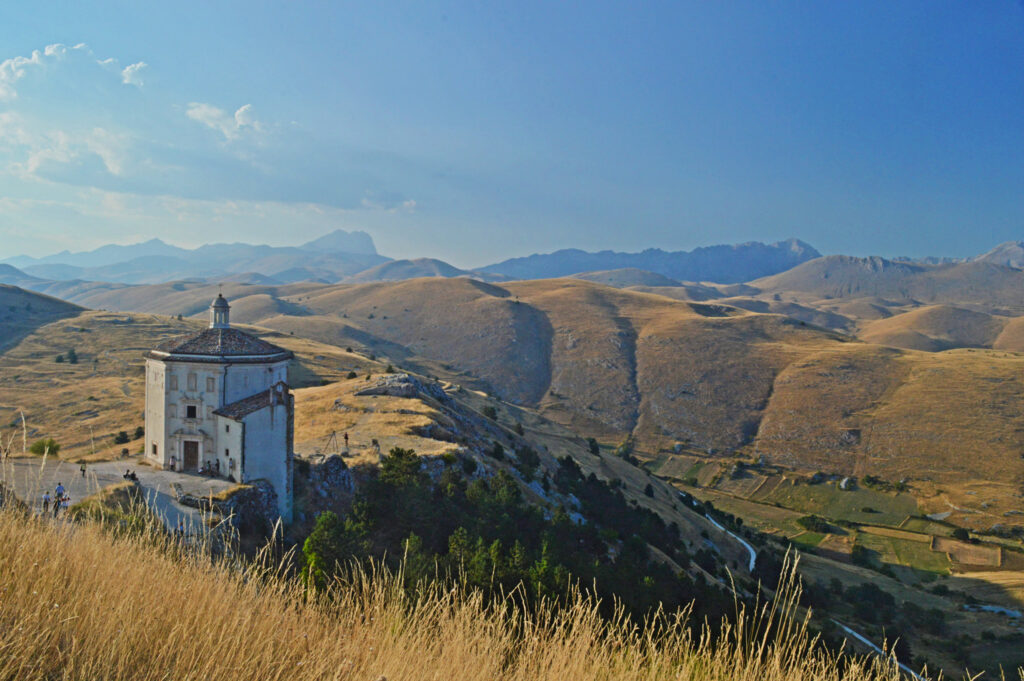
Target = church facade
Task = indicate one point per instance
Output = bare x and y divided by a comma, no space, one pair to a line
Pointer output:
219,402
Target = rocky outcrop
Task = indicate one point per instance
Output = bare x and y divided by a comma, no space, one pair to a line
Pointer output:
404,385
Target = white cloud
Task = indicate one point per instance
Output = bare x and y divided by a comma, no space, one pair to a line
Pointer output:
12,70
130,74
221,121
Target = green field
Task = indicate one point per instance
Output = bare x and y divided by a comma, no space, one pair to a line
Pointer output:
828,501
808,539
906,552
925,526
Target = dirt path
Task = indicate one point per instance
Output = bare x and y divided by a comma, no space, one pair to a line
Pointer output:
29,477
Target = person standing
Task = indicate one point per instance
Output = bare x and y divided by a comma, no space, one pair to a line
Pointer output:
57,497
46,502
82,468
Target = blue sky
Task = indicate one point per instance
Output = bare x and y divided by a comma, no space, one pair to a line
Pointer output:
478,131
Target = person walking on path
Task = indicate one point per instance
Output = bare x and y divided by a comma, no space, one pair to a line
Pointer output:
57,497
82,468
46,503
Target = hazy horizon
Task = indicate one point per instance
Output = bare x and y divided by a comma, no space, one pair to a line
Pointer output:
474,134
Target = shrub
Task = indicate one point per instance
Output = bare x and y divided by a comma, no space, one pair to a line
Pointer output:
140,432
649,490
519,429
121,438
350,375
60,359
72,356
389,369
45,446
814,524
592,445
490,412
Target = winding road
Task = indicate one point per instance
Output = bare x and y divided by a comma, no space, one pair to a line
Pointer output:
750,549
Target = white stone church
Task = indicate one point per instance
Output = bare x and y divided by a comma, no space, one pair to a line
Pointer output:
218,402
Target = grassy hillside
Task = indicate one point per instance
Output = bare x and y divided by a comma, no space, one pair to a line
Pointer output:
667,374
71,612
941,327
84,405
983,284
21,312
397,270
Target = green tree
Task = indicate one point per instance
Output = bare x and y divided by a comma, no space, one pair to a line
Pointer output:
46,446
140,432
490,412
121,438
72,356
329,545
592,445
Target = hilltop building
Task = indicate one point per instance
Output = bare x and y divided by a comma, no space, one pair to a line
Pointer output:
218,401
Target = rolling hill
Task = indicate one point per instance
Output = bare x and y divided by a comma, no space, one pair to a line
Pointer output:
22,312
977,284
397,270
667,374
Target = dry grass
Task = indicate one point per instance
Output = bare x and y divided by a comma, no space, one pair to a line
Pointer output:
68,611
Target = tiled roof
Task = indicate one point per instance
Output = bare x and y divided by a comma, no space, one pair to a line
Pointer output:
227,342
241,408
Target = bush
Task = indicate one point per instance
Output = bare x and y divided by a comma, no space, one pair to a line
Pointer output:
962,534
519,429
814,524
592,445
72,356
350,375
121,438
490,412
140,432
497,451
649,490
389,369
46,446
60,359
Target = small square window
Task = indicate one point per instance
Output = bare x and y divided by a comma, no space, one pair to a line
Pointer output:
227,452
227,427
190,411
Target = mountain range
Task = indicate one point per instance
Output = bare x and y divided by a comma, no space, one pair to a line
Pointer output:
352,256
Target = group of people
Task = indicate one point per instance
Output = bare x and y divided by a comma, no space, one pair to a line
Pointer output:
130,475
211,468
59,500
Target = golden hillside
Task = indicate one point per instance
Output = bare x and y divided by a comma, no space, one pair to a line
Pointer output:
701,377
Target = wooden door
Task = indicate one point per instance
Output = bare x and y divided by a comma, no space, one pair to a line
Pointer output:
191,455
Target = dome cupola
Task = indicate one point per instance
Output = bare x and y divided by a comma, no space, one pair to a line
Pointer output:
219,310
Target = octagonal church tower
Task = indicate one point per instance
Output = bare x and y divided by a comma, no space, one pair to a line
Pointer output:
218,402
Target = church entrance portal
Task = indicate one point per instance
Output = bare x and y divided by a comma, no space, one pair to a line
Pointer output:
191,454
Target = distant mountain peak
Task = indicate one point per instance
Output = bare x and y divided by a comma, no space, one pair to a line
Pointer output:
341,241
1007,254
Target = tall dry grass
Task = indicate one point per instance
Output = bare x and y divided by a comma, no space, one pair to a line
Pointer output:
76,602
